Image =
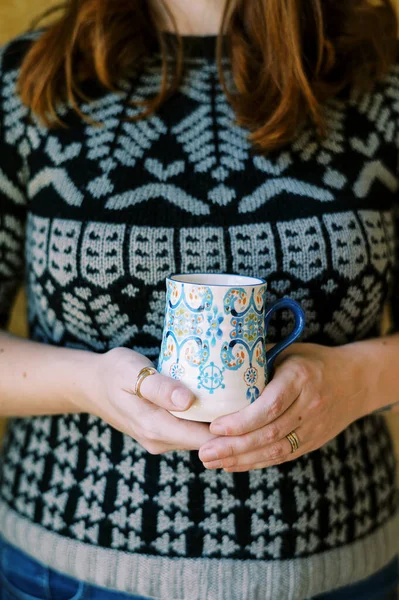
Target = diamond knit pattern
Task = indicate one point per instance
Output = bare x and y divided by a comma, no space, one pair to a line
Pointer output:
98,217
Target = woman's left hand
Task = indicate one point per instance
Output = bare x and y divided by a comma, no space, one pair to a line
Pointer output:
316,392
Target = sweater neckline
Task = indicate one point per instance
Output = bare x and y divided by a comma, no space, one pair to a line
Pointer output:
196,46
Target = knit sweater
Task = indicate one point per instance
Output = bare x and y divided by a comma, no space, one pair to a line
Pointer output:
97,218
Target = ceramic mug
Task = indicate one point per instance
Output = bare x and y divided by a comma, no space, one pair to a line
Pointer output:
214,340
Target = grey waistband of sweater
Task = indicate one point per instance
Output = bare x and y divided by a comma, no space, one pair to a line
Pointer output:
163,578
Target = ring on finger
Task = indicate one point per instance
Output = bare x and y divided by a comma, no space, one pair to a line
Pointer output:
142,374
293,440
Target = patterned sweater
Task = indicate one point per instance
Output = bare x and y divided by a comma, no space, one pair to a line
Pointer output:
97,218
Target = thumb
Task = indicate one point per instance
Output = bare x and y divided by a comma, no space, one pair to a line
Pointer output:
166,392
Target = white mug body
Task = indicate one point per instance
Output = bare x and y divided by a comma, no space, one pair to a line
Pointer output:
214,341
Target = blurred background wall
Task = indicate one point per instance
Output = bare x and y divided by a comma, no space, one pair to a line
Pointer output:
15,16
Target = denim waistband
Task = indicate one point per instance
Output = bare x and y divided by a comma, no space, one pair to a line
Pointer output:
33,579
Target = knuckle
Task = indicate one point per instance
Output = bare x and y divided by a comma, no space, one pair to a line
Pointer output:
272,433
277,406
230,450
317,401
260,438
301,370
277,453
115,355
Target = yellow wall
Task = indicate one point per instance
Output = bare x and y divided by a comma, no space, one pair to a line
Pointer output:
15,16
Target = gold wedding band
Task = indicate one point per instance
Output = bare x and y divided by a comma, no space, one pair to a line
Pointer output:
293,440
143,373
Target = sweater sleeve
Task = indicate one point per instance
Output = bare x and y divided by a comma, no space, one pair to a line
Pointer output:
391,91
394,304
13,205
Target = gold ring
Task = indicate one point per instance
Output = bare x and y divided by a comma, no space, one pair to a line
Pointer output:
143,373
293,440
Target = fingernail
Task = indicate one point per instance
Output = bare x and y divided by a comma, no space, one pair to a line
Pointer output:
208,455
181,398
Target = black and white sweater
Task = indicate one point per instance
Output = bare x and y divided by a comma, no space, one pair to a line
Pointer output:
97,218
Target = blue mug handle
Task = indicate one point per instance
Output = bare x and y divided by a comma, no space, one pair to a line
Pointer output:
299,315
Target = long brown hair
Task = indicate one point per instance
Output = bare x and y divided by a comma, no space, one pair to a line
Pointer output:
287,57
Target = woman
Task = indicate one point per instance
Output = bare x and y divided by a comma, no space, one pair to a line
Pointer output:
105,494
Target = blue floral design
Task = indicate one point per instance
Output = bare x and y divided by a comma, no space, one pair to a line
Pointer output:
211,378
184,323
215,320
249,327
176,371
251,376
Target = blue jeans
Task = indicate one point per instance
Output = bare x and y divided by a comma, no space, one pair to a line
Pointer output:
23,578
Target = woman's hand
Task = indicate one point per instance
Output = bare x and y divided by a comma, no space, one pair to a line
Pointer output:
316,391
105,379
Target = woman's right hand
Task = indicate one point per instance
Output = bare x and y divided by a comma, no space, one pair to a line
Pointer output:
147,419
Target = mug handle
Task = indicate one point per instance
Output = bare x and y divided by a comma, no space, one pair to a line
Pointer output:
299,315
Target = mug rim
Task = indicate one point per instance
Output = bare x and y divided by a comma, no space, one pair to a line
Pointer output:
255,281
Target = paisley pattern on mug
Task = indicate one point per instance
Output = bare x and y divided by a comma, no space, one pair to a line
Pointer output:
247,335
215,335
183,330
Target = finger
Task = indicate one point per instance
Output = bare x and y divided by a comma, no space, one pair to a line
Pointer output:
141,418
276,453
123,426
156,424
167,392
228,446
152,439
287,423
180,433
260,465
163,391
121,420
276,398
